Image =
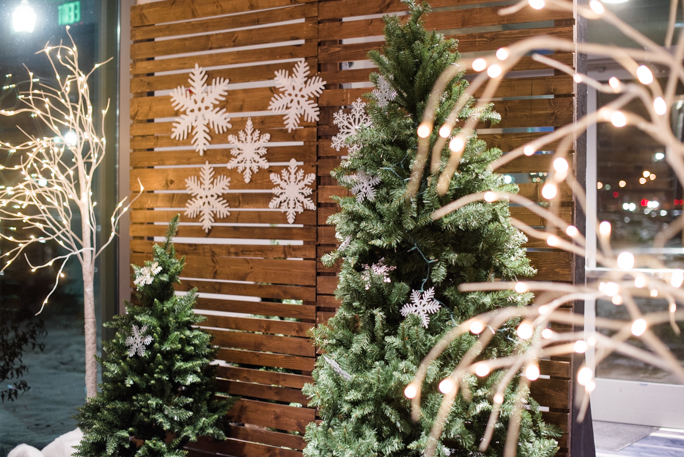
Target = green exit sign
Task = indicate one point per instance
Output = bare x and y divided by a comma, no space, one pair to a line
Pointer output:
69,13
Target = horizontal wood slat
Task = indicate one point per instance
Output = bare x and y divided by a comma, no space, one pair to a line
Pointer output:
294,381
258,325
237,215
266,359
271,415
228,250
269,233
306,312
305,153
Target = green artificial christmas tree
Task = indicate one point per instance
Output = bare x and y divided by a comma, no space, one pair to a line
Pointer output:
400,274
158,390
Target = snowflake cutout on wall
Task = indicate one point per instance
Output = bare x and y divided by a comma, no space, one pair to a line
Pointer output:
200,114
384,92
349,124
293,100
292,191
207,196
422,306
145,275
377,269
365,186
249,151
136,342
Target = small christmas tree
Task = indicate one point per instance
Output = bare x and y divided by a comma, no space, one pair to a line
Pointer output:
401,270
158,392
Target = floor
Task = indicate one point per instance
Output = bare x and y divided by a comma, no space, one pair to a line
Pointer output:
623,440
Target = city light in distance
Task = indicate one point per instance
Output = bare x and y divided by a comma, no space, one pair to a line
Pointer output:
658,156
642,180
599,185
646,173
622,183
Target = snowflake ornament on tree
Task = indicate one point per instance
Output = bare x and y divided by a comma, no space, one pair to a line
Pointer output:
136,342
207,197
249,151
296,91
145,275
292,191
365,186
200,114
377,269
422,306
384,92
349,124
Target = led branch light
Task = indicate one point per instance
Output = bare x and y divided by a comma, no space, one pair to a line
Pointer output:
623,282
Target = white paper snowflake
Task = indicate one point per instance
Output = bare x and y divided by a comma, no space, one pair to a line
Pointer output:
377,269
337,368
296,91
146,275
292,191
422,306
207,196
136,342
365,185
198,103
349,124
384,92
249,151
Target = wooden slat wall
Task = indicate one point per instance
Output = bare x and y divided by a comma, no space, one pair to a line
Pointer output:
244,277
542,99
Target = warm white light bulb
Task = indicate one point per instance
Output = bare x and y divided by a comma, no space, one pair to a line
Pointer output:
446,386
537,4
677,278
611,288
477,326
654,293
553,241
532,372
614,83
644,74
580,347
639,327
584,376
640,282
597,6
445,131
625,260
424,130
618,119
577,77
646,173
572,231
560,165
549,191
605,228
498,398
481,369
547,333
617,300
659,106
502,53
494,71
411,391
479,64
456,144
528,150
525,330
490,197
521,287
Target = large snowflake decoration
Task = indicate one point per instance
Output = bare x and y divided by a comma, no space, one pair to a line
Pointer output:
136,342
145,275
377,269
207,197
364,186
422,306
296,91
292,191
249,151
349,124
198,103
384,93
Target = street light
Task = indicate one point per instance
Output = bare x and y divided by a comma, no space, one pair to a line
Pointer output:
24,17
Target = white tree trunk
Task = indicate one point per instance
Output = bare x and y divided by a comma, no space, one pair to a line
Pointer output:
90,326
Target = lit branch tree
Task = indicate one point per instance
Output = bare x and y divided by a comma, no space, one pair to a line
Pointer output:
624,280
53,200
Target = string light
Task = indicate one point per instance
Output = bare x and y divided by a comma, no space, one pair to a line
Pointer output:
577,77
482,369
552,241
537,4
614,83
502,53
644,75
525,330
479,64
411,391
498,398
677,278
640,282
456,144
597,6
547,333
580,346
521,287
571,231
560,165
605,228
584,376
424,130
532,372
659,106
446,386
617,300
625,260
477,326
549,191
490,197
611,289
494,71
445,131
639,327
618,119
654,293
528,151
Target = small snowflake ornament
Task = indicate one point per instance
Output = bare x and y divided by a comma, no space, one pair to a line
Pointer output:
292,191
207,197
365,186
377,269
422,306
296,92
136,343
349,124
384,92
249,151
146,275
200,113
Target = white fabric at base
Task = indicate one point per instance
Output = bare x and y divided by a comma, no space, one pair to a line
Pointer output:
63,446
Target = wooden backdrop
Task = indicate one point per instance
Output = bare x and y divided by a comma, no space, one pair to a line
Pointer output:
260,278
